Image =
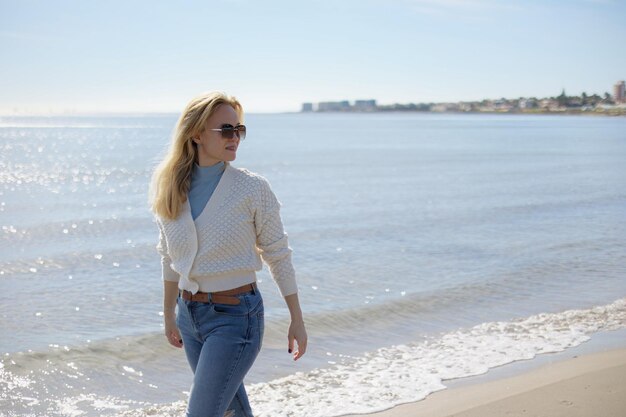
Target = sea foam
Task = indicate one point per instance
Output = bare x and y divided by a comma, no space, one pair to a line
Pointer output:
410,372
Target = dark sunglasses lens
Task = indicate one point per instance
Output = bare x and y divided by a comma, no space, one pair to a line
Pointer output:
228,132
242,132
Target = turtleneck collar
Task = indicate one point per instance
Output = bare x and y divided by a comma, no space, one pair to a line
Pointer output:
212,171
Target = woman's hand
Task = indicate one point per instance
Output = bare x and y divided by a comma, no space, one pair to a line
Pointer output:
171,331
297,332
170,293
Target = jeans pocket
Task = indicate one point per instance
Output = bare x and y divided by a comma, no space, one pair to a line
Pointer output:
238,310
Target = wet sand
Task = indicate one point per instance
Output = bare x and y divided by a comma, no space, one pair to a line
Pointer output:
585,386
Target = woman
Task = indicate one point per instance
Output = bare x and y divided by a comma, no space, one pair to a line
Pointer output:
216,223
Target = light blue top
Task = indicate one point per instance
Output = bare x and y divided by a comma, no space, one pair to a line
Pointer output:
204,180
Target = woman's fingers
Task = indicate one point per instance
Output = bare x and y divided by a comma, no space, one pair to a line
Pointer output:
301,349
297,333
173,337
290,339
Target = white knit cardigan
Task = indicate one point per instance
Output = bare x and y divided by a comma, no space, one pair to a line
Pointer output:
223,247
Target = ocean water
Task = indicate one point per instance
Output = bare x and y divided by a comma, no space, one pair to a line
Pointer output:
427,248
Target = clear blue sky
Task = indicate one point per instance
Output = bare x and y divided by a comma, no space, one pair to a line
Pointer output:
121,56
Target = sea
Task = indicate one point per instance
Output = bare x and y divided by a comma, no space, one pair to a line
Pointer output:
428,248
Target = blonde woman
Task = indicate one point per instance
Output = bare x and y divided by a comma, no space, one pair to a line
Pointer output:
217,223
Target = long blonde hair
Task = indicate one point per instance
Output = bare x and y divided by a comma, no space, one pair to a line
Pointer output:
172,177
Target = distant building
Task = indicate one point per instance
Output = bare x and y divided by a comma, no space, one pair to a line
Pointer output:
333,106
575,102
527,103
549,104
365,105
619,93
444,107
307,107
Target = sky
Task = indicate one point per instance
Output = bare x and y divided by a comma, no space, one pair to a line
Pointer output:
154,56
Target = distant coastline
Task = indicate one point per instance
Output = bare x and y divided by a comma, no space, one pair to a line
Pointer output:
606,105
466,108
619,111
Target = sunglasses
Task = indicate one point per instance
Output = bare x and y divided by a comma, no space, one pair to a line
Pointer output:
229,131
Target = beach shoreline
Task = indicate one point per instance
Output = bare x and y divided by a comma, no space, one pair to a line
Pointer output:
570,385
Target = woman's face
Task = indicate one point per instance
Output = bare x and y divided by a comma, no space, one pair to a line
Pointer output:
212,148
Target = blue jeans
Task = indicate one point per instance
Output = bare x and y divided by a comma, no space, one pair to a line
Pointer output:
221,343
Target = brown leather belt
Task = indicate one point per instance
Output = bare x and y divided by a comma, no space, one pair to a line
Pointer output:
219,297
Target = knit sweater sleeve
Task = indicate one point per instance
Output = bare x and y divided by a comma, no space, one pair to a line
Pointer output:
168,273
272,240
